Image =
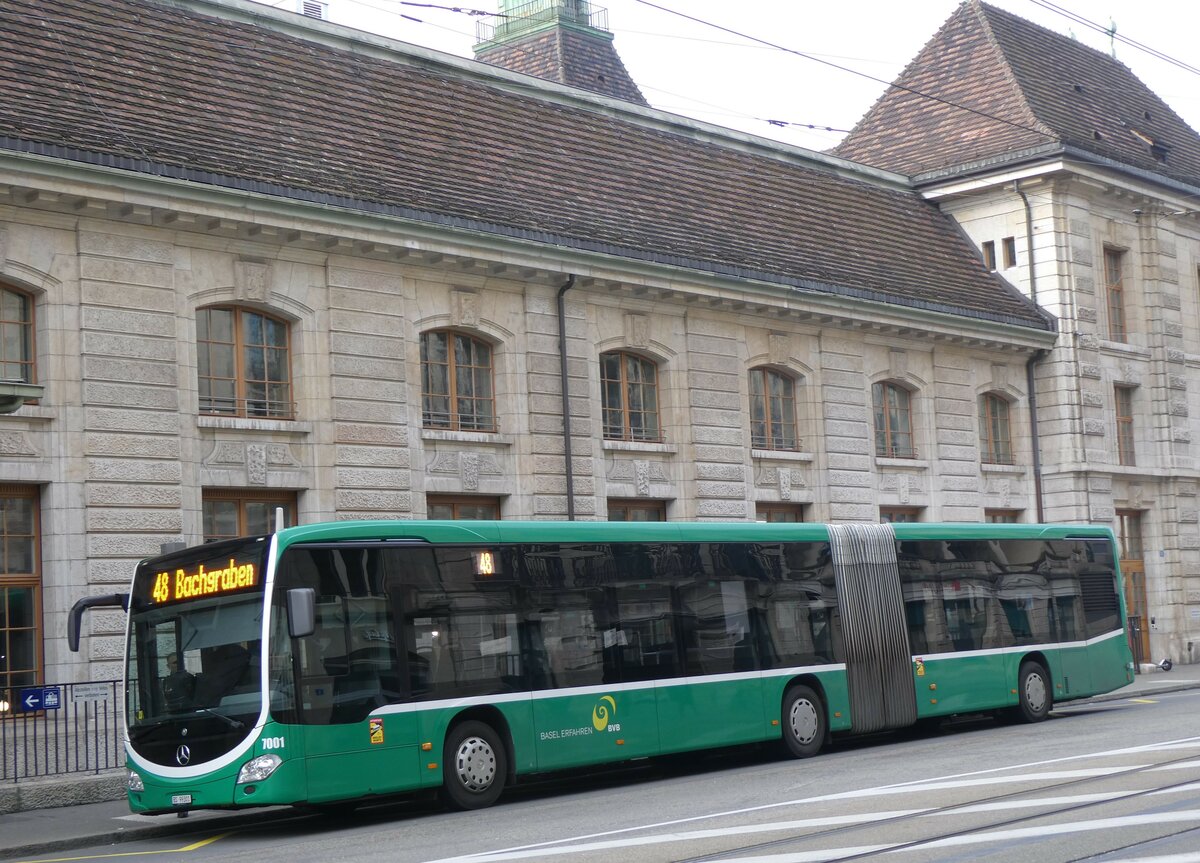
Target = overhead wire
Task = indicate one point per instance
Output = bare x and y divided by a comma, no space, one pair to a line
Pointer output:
726,111
848,69
1111,32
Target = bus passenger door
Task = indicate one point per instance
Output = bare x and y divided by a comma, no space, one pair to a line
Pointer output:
719,700
581,714
355,747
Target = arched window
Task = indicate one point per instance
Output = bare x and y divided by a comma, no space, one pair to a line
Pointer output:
629,393
995,432
772,410
244,363
16,336
893,421
456,382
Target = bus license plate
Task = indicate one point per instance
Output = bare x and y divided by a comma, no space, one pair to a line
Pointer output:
181,799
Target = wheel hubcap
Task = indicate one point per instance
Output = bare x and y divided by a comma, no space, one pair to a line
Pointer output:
803,721
475,764
1035,693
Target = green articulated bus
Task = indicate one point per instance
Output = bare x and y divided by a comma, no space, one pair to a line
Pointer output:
331,663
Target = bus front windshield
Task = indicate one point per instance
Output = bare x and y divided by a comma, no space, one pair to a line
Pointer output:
195,637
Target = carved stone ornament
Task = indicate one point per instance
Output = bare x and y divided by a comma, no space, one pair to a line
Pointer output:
779,348
464,308
470,467
254,456
640,472
16,444
252,281
256,464
637,330
902,484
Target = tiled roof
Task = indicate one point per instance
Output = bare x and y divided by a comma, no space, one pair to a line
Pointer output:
1027,87
165,90
566,56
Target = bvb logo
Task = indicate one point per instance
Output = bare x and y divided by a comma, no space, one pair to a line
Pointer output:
605,709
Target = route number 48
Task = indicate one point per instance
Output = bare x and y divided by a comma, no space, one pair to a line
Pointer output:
162,587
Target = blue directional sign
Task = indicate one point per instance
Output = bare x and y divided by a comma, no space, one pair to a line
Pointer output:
41,698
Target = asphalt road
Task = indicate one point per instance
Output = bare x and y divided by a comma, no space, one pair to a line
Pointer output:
1103,782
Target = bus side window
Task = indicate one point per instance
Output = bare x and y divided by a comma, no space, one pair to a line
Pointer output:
715,623
647,633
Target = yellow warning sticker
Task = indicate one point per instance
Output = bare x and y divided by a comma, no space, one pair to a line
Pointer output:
376,731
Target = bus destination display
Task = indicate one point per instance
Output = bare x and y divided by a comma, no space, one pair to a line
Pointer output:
201,582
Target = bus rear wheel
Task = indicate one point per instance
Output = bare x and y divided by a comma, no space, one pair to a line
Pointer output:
804,723
474,766
1035,698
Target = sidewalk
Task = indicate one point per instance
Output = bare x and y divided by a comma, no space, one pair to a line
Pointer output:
65,812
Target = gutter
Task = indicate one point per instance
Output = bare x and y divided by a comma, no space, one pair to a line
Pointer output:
566,396
1038,356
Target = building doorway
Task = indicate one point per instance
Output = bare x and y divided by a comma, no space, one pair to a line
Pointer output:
1133,567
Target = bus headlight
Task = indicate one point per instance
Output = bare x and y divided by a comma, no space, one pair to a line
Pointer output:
258,769
134,783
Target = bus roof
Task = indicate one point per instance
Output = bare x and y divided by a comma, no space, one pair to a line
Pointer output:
475,532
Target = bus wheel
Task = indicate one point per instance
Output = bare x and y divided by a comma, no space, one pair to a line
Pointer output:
803,722
474,766
1033,689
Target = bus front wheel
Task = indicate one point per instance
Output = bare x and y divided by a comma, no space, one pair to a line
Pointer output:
803,722
1034,693
474,766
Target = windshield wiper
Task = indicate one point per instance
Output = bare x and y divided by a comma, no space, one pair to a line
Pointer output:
137,732
233,723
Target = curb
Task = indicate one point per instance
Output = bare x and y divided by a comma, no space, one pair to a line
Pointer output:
172,826
53,792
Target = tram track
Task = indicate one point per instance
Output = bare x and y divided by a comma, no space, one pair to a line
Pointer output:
950,809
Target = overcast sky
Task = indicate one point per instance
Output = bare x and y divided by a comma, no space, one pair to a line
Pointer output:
699,71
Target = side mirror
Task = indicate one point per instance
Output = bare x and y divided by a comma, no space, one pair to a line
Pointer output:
75,618
302,611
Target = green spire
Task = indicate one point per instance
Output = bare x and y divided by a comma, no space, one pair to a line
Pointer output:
522,17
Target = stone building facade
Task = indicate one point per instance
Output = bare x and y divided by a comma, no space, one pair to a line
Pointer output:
1082,192
120,459
343,277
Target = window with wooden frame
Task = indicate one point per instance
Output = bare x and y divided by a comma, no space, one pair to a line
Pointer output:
772,410
995,430
893,421
1114,292
989,255
243,363
779,513
20,592
1010,252
1129,534
1002,516
466,507
230,513
637,510
629,396
457,391
16,336
1123,400
899,514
